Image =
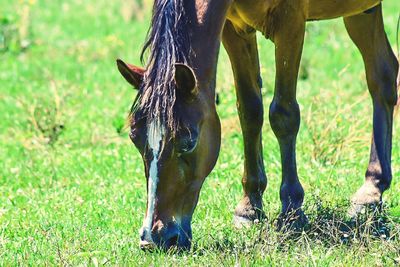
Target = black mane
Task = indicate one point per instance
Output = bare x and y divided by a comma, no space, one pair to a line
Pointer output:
167,43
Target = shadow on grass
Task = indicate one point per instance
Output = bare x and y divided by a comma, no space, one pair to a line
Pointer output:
331,226
328,226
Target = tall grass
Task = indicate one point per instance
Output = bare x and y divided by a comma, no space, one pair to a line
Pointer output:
72,188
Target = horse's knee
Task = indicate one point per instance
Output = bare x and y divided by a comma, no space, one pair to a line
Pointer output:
284,117
385,81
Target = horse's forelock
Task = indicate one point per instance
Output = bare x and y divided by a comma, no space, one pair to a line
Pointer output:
167,44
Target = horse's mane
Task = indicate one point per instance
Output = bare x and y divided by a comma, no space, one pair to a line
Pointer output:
167,43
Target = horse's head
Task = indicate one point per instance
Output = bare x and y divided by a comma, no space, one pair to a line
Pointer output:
176,162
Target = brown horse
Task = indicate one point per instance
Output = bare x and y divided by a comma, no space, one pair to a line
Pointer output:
174,123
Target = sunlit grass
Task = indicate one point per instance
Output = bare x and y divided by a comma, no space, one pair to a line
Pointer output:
72,189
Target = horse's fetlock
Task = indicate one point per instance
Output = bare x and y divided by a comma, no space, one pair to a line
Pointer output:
255,185
292,195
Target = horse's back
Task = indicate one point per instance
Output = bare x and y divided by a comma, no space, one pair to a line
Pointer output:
327,9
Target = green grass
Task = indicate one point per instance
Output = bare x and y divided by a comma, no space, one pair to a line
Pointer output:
72,186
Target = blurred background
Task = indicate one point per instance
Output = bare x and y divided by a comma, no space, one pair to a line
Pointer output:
72,186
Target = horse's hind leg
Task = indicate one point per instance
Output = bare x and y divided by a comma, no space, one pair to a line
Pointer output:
284,113
367,32
242,50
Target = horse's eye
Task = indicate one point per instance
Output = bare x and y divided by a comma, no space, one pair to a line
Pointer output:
187,146
187,143
138,135
133,135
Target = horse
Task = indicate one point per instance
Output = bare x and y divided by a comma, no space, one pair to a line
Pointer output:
175,126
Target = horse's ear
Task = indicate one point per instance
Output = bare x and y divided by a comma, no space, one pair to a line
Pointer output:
185,79
132,74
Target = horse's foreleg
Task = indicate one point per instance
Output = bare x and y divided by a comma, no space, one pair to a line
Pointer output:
367,32
243,54
284,113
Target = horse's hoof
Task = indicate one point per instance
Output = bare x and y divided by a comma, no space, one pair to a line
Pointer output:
292,221
248,213
367,197
244,222
359,209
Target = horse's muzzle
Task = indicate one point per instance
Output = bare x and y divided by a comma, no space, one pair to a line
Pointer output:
174,235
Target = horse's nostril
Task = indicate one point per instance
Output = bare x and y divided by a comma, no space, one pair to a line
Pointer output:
172,241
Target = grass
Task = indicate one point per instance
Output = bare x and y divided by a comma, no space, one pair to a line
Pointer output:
72,189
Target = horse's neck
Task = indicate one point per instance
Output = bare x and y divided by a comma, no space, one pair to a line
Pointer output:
205,40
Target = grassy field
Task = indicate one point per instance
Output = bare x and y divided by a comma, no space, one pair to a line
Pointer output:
72,186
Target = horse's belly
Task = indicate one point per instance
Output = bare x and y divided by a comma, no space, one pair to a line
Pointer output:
327,9
263,15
